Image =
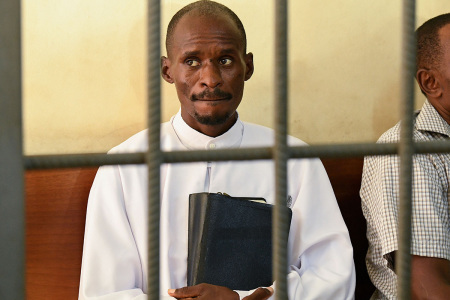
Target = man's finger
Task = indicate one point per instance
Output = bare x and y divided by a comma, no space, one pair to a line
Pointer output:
185,292
260,294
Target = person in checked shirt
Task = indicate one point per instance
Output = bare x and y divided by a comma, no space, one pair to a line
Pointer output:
430,240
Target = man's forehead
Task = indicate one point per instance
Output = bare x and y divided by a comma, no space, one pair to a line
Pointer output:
197,32
197,24
444,40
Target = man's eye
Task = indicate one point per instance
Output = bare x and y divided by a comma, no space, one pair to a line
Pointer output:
225,61
192,63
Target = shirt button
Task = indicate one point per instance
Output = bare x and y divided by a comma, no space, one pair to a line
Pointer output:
212,146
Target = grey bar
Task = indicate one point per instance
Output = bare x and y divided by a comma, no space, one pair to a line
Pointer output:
280,224
154,156
12,213
322,151
406,150
82,160
432,147
344,150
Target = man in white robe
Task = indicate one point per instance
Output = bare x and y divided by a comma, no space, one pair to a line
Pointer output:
208,63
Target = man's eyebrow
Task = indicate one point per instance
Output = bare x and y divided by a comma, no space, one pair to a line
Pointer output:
228,51
196,53
191,53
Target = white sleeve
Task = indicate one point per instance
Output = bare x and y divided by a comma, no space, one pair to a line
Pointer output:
322,264
111,267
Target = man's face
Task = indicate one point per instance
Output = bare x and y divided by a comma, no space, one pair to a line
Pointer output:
208,65
444,70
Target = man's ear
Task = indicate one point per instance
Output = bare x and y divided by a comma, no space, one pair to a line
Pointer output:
428,81
249,67
165,69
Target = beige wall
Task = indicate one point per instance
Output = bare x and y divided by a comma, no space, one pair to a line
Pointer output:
84,69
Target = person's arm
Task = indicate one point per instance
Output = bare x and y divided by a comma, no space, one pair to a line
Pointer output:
321,254
111,267
430,278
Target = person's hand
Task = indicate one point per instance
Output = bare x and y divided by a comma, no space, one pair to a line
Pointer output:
205,291
209,291
260,294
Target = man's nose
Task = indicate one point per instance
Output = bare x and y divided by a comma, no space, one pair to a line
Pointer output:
211,76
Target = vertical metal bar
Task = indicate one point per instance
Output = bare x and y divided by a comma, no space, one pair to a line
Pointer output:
406,150
280,225
154,155
12,213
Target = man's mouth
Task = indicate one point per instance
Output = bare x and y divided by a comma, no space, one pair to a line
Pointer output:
216,95
212,99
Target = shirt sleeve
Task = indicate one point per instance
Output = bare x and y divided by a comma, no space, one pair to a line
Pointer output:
321,265
111,267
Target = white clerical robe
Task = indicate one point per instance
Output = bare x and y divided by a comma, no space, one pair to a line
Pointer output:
115,244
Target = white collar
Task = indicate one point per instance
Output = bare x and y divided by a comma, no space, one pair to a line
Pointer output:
194,140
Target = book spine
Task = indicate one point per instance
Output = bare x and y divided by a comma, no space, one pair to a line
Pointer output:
198,212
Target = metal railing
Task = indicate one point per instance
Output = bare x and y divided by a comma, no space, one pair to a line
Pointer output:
12,216
13,163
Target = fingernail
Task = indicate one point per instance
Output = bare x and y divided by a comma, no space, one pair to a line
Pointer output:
170,291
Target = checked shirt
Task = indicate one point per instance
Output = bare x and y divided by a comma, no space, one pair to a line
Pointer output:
430,202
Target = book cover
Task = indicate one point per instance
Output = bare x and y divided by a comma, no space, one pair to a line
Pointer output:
230,241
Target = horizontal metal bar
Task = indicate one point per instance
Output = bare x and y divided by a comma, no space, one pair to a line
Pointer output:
432,147
322,151
218,155
343,150
82,160
98,159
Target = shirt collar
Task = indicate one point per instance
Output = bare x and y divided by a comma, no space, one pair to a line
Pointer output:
192,139
429,119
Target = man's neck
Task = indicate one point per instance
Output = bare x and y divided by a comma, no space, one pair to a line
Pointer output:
443,112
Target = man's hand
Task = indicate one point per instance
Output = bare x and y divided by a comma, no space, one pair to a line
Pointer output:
208,291
260,294
204,291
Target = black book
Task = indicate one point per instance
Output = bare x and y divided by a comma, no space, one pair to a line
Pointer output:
230,241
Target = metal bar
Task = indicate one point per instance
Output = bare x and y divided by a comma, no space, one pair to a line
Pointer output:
406,150
280,224
82,160
154,156
343,150
12,212
322,151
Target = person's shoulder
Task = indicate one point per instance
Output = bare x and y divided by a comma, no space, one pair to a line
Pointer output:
135,143
392,135
139,141
260,134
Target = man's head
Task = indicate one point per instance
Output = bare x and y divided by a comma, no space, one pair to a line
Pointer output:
207,62
433,62
204,8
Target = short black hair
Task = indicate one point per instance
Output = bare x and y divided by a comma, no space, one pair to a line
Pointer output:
204,8
429,48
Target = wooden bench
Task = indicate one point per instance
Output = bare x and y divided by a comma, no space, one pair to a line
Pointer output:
55,214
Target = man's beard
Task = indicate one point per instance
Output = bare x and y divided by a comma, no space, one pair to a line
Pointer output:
212,119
